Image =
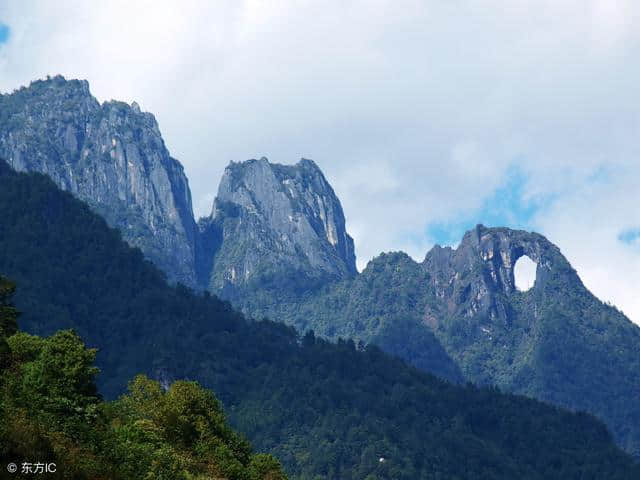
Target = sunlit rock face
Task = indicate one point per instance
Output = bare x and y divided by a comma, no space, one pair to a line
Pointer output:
111,156
476,277
275,224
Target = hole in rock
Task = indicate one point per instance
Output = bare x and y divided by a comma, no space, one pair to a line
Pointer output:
524,273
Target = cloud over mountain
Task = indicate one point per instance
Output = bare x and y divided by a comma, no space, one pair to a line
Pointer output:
421,109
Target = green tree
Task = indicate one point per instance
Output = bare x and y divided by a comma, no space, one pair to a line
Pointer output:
187,427
8,313
8,318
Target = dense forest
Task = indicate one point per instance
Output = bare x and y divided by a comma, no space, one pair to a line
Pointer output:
51,417
556,343
325,410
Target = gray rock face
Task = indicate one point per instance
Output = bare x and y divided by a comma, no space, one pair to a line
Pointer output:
275,223
478,277
271,224
111,156
484,321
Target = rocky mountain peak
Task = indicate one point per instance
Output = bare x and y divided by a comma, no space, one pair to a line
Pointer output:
58,85
278,219
500,248
477,276
113,157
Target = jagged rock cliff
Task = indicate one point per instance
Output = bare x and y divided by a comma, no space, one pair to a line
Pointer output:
274,226
477,279
113,157
494,330
269,222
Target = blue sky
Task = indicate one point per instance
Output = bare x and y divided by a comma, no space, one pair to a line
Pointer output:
630,236
4,33
510,205
506,206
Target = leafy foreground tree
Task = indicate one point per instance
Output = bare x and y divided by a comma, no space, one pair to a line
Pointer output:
50,412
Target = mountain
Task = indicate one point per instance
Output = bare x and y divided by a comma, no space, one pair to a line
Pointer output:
276,246
457,314
277,236
555,342
274,226
113,157
325,410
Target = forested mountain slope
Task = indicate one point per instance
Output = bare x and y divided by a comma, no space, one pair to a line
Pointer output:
53,422
555,342
457,314
326,411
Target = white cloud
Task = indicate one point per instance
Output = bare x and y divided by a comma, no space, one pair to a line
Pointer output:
524,273
586,224
414,110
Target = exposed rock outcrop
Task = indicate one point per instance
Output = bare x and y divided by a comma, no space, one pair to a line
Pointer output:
277,225
113,157
478,276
